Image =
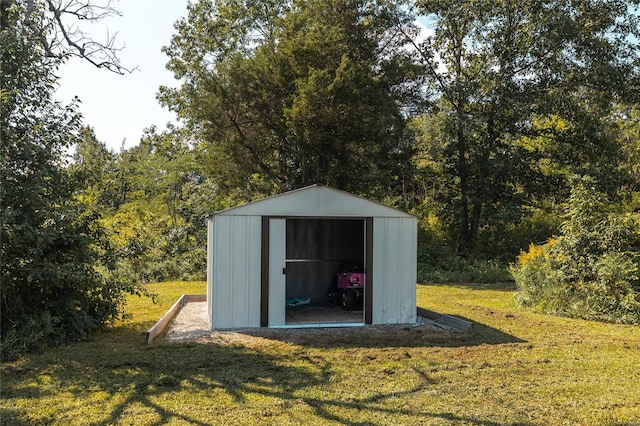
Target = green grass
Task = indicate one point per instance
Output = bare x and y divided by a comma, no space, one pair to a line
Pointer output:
515,368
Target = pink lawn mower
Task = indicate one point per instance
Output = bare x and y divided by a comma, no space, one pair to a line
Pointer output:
347,288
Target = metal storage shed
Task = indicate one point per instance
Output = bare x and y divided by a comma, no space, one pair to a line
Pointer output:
262,254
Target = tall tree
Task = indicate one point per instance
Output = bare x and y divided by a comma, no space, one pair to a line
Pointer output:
97,167
294,93
50,243
504,74
154,198
629,119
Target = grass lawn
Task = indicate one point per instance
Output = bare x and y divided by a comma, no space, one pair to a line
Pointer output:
515,368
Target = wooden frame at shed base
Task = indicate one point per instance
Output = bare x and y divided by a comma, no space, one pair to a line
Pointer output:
162,324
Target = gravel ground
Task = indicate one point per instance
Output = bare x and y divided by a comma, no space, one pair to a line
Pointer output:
192,325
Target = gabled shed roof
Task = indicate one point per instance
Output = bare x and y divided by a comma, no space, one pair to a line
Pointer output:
314,201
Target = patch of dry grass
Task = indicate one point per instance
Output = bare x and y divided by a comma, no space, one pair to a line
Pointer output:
515,368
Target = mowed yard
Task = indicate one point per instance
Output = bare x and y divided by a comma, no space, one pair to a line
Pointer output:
516,367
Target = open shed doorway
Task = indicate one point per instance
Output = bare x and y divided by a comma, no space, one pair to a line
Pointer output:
317,251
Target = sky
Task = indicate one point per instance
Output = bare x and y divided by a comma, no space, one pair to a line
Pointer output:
120,107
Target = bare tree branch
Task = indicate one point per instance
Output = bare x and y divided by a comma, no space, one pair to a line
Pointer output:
59,31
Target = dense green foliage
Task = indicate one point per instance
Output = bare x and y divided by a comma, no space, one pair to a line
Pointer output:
523,96
152,200
57,281
158,224
286,94
592,270
475,129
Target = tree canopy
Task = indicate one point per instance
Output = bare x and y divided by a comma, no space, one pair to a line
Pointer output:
294,93
525,95
479,130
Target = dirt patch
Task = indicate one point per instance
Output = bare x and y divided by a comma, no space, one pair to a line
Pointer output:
192,325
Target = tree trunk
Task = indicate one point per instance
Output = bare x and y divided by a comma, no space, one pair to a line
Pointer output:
463,219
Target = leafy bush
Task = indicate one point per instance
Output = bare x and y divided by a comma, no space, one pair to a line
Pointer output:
589,272
54,280
29,336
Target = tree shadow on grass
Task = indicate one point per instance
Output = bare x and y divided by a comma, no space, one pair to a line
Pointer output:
202,384
388,336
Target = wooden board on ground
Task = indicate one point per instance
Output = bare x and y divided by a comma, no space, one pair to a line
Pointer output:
159,327
457,323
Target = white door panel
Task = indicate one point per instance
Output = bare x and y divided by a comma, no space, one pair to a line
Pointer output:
277,279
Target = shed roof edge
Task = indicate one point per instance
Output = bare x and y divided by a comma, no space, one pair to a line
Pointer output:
229,210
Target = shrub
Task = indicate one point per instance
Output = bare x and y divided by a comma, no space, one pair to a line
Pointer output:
52,246
589,272
539,280
29,336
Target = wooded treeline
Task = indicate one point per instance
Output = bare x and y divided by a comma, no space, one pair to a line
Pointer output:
481,126
477,129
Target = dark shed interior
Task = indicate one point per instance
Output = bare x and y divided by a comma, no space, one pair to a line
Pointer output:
315,250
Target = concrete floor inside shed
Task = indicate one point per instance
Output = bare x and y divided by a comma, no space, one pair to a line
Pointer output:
322,314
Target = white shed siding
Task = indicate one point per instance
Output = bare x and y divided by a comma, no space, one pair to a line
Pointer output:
315,201
234,281
254,241
394,270
277,283
210,244
234,254
408,268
